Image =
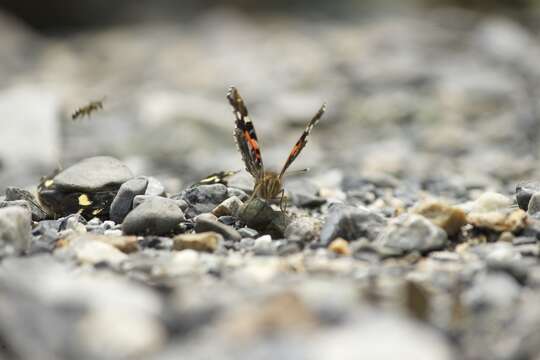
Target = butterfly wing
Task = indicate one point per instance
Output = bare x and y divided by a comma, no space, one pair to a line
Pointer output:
297,148
245,135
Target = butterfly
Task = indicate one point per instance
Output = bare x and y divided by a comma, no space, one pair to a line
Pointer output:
268,184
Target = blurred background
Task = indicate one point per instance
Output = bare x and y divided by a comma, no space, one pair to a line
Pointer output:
421,89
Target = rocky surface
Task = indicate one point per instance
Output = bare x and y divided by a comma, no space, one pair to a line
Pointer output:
416,234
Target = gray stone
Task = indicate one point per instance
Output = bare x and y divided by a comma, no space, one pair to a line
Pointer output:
155,216
203,224
238,193
257,214
263,246
351,223
229,206
93,173
524,192
304,229
155,187
496,290
413,232
15,228
123,201
14,194
204,198
534,204
248,232
303,193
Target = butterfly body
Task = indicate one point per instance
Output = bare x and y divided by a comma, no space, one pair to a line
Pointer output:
268,184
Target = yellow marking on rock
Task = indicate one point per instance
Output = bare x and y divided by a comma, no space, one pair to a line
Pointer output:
48,183
84,200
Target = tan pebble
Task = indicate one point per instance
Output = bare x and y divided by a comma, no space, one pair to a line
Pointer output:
205,241
340,246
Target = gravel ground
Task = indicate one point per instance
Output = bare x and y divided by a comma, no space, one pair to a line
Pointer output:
416,234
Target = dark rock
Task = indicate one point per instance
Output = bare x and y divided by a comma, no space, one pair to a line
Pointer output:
412,232
15,229
351,223
123,201
204,198
304,229
257,214
155,216
13,194
87,187
203,224
524,192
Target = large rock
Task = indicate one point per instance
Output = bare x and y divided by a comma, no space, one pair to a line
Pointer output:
87,187
204,198
351,223
155,216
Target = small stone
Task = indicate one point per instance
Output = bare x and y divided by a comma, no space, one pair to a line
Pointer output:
155,187
413,233
340,246
248,232
351,223
206,216
263,245
498,291
15,228
534,204
304,193
155,216
303,229
522,240
126,244
94,252
240,194
448,217
204,198
227,220
203,224
489,202
113,232
257,214
524,193
229,206
206,241
123,201
508,220
14,194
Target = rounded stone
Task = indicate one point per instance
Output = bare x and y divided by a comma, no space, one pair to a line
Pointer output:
155,216
123,201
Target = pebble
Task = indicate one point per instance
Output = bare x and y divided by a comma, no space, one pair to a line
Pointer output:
506,220
15,229
155,216
339,246
248,232
413,233
259,215
154,187
204,241
123,201
351,223
95,252
524,192
240,194
499,291
304,193
450,218
228,207
14,194
305,229
533,207
126,244
263,245
203,224
204,198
